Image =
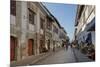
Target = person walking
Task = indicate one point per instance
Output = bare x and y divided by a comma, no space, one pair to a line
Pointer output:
66,46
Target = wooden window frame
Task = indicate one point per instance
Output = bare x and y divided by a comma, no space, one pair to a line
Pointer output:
31,16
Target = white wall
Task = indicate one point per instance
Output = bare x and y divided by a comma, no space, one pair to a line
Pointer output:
91,17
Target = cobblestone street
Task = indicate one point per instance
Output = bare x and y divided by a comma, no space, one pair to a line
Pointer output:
64,56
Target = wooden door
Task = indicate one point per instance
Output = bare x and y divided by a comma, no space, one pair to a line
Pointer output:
30,47
13,46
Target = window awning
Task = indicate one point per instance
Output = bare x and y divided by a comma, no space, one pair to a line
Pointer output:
91,25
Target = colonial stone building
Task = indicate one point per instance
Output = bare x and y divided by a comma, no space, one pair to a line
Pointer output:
63,37
56,28
33,30
85,24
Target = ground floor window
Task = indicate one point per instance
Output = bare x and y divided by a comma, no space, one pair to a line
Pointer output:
42,47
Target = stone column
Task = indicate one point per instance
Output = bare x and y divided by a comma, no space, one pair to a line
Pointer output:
37,31
24,23
18,25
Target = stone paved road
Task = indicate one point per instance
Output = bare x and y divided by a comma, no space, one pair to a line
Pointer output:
62,56
80,57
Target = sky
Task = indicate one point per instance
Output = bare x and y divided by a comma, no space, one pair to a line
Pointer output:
65,14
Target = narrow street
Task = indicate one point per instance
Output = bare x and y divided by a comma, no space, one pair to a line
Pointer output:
40,33
63,56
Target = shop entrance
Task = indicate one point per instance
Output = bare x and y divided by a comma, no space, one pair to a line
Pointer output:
30,47
13,48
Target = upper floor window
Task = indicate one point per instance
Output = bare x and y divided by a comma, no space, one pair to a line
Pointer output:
55,29
49,25
41,23
31,17
13,7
